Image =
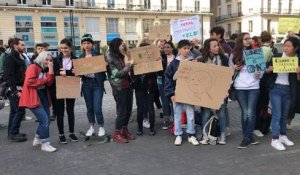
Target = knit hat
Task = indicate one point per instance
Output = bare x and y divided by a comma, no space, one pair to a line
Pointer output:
87,37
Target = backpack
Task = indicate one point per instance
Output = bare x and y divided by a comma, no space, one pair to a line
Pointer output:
213,129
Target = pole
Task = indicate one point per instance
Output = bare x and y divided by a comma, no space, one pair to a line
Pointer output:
72,29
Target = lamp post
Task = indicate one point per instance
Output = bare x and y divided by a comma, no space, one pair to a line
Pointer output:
72,29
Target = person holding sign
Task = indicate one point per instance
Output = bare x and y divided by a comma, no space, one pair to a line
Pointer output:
119,69
92,89
36,97
212,54
282,94
184,47
247,88
63,67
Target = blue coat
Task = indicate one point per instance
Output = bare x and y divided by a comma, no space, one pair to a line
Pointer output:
170,84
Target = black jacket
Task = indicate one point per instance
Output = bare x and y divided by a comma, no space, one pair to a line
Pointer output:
14,71
58,64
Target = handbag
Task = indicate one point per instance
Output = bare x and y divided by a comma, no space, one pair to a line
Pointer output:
232,92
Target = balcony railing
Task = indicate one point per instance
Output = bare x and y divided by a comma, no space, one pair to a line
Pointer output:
106,6
280,11
229,16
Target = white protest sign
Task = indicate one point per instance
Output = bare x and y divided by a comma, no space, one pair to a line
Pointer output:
186,28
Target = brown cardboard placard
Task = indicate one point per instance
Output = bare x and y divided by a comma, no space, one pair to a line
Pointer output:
160,32
202,84
85,66
146,59
67,87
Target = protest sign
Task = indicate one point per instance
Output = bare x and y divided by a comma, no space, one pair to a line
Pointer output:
186,28
254,60
85,66
67,87
288,24
146,59
285,64
160,31
202,84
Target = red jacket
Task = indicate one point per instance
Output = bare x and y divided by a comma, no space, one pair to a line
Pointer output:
29,97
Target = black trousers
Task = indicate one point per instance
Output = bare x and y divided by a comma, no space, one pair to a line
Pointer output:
124,100
60,109
52,91
142,98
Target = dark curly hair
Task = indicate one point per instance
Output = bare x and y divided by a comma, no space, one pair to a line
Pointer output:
238,49
206,50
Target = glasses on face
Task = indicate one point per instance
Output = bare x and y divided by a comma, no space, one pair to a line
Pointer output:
247,39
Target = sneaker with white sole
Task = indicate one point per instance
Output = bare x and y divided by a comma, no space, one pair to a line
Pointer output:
258,133
204,141
222,140
101,132
90,132
227,131
146,124
36,142
193,140
47,147
283,139
178,140
277,145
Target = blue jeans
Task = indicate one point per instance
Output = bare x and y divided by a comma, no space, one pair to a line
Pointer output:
248,102
189,109
16,115
93,96
220,113
166,103
42,113
280,97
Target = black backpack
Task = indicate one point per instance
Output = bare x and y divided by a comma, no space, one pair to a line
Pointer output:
213,129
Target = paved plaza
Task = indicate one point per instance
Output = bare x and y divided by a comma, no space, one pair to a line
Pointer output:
153,155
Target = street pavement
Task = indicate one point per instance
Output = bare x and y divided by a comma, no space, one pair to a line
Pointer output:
149,155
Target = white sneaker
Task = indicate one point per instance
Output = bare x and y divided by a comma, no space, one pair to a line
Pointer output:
258,133
146,124
277,145
178,140
228,131
90,132
222,140
36,142
283,139
27,118
204,141
101,131
47,147
193,140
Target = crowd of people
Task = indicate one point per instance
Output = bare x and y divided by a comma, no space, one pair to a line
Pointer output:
31,85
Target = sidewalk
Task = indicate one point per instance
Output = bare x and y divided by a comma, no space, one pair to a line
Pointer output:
153,155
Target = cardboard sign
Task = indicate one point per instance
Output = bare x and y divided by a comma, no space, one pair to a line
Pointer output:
160,31
202,84
145,59
86,66
285,64
186,28
254,60
67,87
288,24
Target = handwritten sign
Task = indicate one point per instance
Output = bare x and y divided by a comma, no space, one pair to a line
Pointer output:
254,60
67,87
145,59
186,28
285,64
202,84
288,24
89,65
160,31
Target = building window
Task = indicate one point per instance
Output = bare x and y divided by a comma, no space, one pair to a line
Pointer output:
68,27
239,27
91,3
147,4
163,4
164,21
69,2
229,9
49,31
46,2
280,6
251,26
219,2
269,6
92,25
197,6
130,25
179,5
269,25
112,25
228,29
146,24
111,3
239,8
24,30
21,2
290,6
219,11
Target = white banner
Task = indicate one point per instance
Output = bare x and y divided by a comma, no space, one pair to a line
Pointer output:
186,28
